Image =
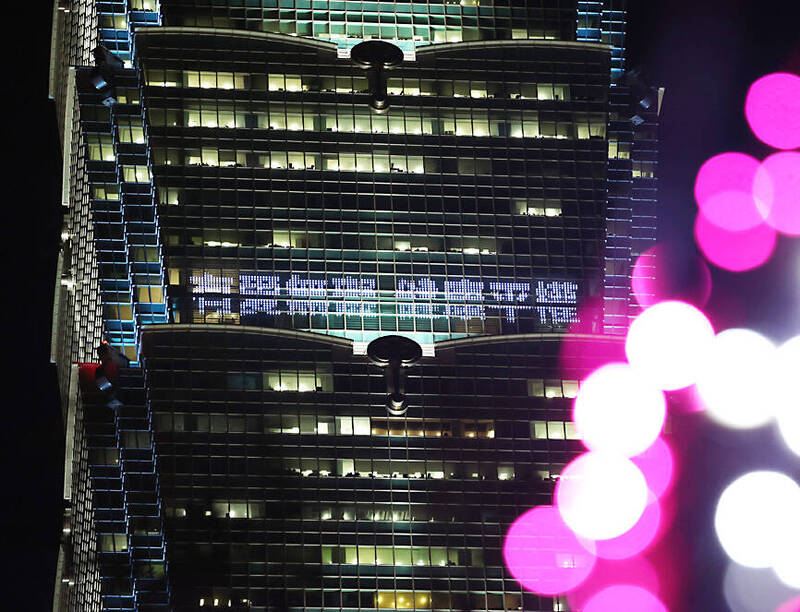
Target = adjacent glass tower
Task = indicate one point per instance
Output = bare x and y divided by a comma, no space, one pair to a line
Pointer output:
240,224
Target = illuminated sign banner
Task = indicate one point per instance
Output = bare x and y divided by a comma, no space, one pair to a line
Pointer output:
553,302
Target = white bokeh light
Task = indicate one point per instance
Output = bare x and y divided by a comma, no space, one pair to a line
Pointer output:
601,495
747,589
787,389
787,557
666,344
755,514
735,379
618,411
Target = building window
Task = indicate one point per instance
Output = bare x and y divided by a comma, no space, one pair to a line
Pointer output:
130,131
401,556
113,542
536,207
136,174
237,509
101,147
550,388
554,430
301,380
644,169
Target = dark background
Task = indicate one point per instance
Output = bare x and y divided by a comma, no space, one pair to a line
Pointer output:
705,52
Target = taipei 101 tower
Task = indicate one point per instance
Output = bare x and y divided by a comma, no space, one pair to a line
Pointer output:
317,264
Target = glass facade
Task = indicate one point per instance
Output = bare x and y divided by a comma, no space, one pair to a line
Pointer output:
286,486
239,224
475,205
407,24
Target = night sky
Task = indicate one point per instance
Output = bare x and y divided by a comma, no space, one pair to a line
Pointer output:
705,52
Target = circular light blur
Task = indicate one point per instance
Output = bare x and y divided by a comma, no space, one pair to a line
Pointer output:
617,411
734,251
787,558
670,271
666,344
787,393
636,540
735,377
543,555
601,495
724,191
772,108
581,350
624,597
792,605
635,571
754,515
657,465
776,188
748,589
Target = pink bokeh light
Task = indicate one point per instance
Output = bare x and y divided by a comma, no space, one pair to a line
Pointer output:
793,605
636,571
776,186
657,464
667,271
544,555
618,411
601,495
637,539
666,343
582,348
724,191
734,251
624,597
772,108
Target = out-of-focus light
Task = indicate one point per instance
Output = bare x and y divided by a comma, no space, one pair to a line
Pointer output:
666,344
787,393
636,571
754,515
581,349
734,251
601,495
748,589
735,379
543,555
793,605
657,465
624,597
724,191
618,411
644,278
776,188
786,563
669,271
772,108
637,539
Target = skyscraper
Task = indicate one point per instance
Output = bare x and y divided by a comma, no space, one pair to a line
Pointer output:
240,224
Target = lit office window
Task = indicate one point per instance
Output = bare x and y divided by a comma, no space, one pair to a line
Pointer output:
299,380
113,542
101,147
537,207
237,509
552,388
136,174
554,430
105,192
130,131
